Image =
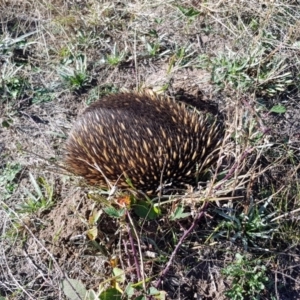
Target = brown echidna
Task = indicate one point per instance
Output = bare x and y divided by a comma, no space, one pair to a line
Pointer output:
145,137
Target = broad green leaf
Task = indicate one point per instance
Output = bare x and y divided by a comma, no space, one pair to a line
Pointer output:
74,289
146,210
111,294
129,290
119,273
113,212
159,295
279,109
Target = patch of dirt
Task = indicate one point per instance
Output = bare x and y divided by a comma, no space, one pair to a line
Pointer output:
63,224
62,233
194,277
286,127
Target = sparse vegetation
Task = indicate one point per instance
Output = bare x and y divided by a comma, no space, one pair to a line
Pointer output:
41,199
7,179
74,77
252,226
115,57
237,236
248,278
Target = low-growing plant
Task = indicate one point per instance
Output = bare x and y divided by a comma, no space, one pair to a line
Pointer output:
248,278
116,57
42,95
250,227
74,72
182,58
39,201
7,179
154,47
189,12
249,72
12,85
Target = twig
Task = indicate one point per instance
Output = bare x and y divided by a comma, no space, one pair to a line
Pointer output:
288,214
139,267
183,237
12,276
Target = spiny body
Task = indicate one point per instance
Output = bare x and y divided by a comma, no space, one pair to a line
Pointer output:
148,138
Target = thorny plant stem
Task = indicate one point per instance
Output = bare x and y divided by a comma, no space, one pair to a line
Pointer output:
197,218
139,268
138,272
183,237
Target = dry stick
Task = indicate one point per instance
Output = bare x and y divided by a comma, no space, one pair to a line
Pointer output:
264,129
16,281
185,234
138,271
276,285
198,217
288,214
53,260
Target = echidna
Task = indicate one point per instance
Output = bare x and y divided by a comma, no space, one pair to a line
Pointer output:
144,137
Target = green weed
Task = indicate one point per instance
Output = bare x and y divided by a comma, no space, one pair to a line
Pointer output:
154,47
12,85
251,227
189,12
74,72
42,95
116,57
7,179
40,200
248,278
182,58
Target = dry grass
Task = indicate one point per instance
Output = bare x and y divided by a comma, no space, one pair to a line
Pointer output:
238,58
